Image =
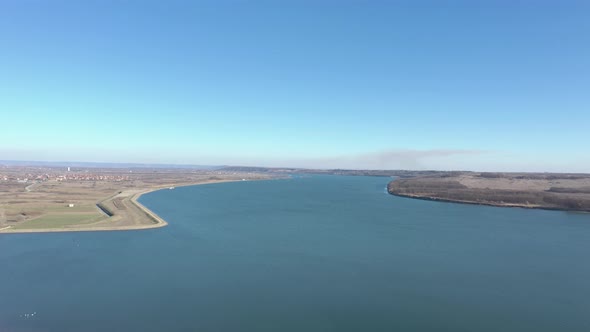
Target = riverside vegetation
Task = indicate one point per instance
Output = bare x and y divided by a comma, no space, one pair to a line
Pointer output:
531,190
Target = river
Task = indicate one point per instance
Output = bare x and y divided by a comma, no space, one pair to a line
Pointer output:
311,253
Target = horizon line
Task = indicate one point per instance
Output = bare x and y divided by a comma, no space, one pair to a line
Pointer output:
97,164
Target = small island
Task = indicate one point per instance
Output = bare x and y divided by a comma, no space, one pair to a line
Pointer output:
554,191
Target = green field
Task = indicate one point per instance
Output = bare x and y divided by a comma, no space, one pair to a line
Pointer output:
32,207
62,220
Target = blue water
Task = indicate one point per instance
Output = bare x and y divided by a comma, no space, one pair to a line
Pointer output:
319,253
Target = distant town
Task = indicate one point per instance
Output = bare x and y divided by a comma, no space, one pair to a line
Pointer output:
29,174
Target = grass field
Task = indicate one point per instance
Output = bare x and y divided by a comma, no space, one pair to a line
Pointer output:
60,220
48,208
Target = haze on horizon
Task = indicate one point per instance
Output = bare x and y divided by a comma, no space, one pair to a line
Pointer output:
469,85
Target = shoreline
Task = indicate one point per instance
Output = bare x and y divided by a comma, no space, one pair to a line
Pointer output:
157,221
507,190
505,205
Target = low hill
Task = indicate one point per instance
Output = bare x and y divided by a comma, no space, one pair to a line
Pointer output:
531,190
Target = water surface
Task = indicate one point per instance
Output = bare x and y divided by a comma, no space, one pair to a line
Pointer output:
319,253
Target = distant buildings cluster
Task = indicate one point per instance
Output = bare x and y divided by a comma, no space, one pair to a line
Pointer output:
91,177
30,177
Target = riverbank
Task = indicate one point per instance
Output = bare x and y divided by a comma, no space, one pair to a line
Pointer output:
437,199
564,192
125,212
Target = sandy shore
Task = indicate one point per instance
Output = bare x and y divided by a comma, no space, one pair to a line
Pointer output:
127,213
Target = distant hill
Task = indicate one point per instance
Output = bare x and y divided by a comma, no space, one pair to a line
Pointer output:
388,173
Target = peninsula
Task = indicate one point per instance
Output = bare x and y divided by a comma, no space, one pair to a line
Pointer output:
553,191
58,199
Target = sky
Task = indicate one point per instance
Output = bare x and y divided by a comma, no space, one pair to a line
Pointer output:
448,85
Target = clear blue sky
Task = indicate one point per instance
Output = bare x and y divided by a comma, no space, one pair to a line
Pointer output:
482,85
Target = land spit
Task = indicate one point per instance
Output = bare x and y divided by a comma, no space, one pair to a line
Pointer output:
80,205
